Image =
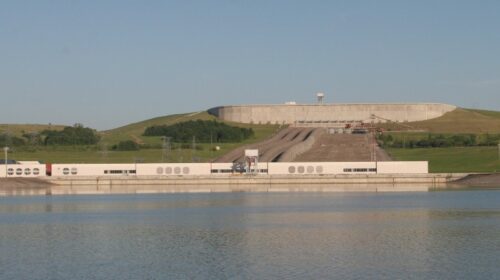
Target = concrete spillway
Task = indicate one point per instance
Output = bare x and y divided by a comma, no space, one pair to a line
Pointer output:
320,113
271,148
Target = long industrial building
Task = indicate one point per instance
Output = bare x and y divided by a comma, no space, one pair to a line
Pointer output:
38,170
292,113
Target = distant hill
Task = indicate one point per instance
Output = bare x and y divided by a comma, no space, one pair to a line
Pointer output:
19,129
457,121
134,131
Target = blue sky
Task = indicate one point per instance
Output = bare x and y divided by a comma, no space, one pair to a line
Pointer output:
109,63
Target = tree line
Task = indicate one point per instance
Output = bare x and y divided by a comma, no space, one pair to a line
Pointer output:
440,141
70,135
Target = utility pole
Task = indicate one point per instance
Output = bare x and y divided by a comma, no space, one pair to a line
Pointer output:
6,150
498,151
193,148
212,147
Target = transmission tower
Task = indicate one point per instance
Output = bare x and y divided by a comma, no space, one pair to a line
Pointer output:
165,148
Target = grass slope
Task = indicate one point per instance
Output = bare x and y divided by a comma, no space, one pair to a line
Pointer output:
102,153
455,159
134,131
19,129
470,159
457,121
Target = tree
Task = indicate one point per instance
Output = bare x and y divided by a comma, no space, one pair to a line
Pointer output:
127,145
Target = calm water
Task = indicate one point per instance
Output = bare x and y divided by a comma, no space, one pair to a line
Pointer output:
435,235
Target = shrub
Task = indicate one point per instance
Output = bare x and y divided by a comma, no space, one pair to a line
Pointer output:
127,145
71,135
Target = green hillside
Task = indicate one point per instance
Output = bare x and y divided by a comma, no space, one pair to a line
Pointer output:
20,129
457,121
134,131
453,159
481,123
450,159
151,150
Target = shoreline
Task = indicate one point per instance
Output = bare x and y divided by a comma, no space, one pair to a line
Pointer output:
234,183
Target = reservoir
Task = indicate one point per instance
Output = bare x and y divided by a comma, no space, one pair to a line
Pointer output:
424,235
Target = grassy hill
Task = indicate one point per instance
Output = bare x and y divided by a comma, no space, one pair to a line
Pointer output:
134,131
457,121
481,159
453,159
102,152
450,159
19,129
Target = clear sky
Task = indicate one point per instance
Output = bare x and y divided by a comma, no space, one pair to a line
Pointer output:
109,63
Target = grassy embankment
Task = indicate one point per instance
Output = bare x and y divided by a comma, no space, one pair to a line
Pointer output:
102,153
452,159
19,129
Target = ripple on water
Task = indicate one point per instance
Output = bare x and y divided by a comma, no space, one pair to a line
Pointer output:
446,235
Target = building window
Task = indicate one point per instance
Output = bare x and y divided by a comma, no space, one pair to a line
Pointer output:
185,170
36,171
74,171
291,169
27,171
168,170
159,170
10,171
301,169
66,171
360,170
347,169
177,170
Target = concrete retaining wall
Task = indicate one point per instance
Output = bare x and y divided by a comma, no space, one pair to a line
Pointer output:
231,183
292,114
248,183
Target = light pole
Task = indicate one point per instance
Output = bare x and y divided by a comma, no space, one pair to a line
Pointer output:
6,150
498,151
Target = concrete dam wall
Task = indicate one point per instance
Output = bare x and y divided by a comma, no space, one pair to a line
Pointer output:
331,113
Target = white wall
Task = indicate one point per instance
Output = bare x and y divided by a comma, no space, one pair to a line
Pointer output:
319,167
393,167
274,168
23,170
403,167
173,169
141,169
88,169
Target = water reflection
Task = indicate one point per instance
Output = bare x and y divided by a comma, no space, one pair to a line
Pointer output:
437,235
